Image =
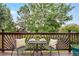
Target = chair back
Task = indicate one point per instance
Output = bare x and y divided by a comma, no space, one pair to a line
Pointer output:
53,43
20,42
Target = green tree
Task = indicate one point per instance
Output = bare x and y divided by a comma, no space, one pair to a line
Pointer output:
42,17
6,22
72,27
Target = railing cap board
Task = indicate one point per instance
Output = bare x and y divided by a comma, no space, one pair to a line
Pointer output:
16,33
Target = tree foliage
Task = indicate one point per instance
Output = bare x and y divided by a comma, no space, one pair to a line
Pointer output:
6,22
71,27
40,17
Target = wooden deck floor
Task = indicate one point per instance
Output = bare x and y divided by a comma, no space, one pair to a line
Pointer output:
27,53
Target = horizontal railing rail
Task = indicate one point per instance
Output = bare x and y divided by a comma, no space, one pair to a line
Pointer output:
36,33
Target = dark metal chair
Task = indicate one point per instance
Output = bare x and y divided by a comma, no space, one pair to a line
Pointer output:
53,45
19,45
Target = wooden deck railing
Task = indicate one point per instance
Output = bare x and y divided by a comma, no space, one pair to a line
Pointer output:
65,39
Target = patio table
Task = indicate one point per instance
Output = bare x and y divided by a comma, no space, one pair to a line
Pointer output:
37,44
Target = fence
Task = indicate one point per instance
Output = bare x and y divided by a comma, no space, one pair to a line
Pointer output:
65,39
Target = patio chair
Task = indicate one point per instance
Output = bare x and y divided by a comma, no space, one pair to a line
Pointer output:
19,45
53,45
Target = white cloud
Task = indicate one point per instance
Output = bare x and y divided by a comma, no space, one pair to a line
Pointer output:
14,15
13,12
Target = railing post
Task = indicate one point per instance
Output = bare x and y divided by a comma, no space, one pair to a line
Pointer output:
2,41
69,42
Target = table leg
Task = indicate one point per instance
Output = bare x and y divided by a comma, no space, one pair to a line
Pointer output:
41,48
33,51
36,48
30,50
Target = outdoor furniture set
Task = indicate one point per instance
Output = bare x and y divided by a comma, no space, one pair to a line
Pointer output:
20,45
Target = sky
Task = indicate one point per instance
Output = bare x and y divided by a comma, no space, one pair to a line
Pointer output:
14,7
74,13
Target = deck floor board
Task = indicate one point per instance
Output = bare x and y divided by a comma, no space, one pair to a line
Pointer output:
27,53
